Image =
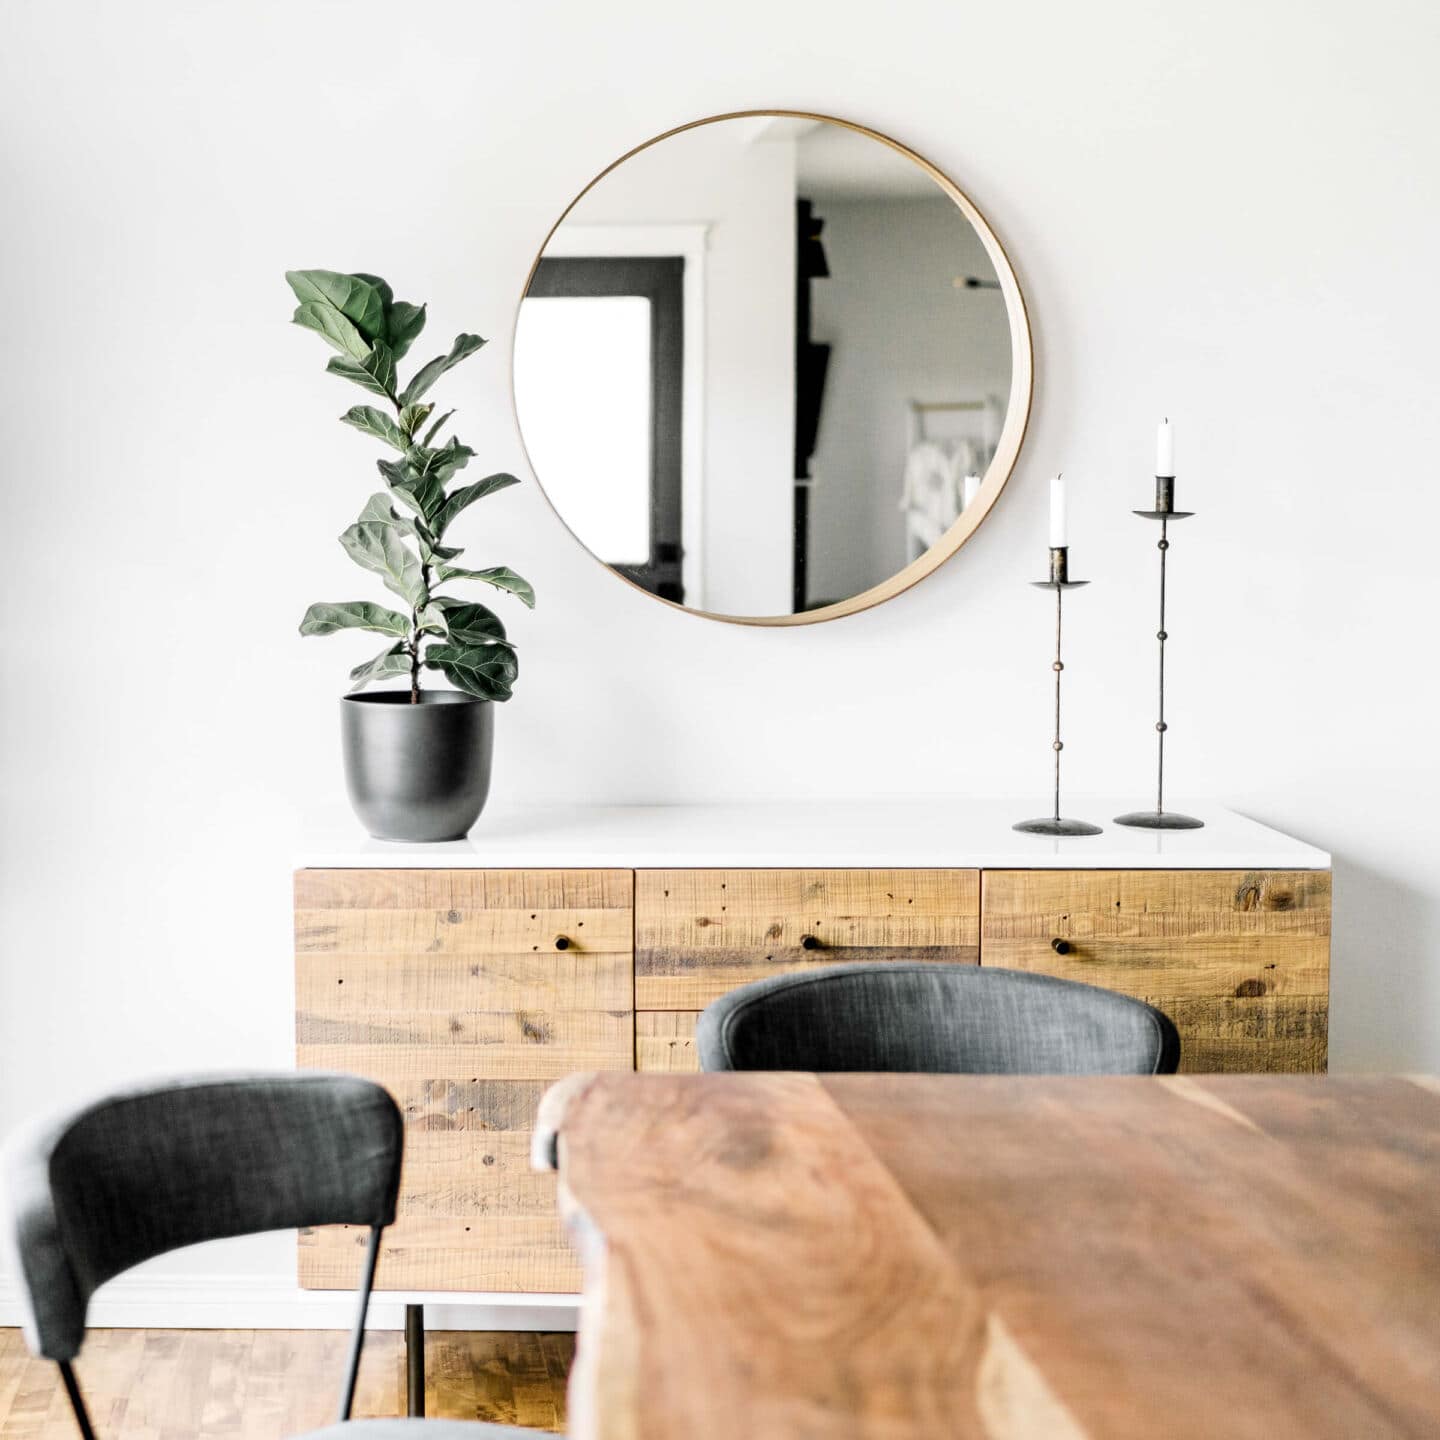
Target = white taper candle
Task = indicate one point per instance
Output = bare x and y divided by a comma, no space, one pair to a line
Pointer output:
1165,449
1059,515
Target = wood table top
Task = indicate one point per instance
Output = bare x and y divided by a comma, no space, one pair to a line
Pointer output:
897,1256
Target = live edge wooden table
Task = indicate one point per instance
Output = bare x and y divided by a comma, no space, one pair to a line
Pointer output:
902,1256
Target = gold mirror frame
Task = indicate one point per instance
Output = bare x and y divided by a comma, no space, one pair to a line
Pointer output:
1012,433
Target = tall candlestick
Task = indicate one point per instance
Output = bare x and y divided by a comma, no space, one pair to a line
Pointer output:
1165,449
1059,515
1059,582
1165,512
969,489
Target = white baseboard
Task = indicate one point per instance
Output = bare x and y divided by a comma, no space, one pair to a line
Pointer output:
245,1302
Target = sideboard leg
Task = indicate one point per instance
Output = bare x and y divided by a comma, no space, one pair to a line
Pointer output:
415,1360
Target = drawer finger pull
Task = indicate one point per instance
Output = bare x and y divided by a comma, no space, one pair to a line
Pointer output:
1059,946
810,942
562,942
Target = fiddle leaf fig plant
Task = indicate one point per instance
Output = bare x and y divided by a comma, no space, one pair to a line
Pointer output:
400,534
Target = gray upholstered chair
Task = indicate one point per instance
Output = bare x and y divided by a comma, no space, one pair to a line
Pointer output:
161,1166
934,1018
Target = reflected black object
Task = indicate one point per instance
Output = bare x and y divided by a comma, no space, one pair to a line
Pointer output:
811,363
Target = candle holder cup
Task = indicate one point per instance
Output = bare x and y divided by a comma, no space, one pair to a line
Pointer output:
1059,582
1160,818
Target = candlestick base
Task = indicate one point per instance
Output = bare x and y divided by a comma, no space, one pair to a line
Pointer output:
1050,826
1159,820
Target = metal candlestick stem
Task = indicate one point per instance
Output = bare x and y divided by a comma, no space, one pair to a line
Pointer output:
1160,818
1059,582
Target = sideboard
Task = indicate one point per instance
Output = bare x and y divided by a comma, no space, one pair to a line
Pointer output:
467,977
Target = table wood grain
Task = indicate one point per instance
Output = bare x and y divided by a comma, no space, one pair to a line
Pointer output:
903,1256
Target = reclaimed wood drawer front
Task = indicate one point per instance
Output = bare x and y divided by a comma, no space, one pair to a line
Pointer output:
446,987
700,933
665,1041
1240,960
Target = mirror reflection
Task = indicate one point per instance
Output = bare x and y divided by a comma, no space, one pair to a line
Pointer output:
765,363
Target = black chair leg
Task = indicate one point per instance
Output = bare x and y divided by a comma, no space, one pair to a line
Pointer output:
415,1360
77,1404
357,1336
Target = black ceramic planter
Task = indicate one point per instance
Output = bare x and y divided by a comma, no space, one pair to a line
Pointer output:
417,772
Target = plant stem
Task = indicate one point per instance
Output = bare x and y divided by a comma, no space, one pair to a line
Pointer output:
415,611
415,637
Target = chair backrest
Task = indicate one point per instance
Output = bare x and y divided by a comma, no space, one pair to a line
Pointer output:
156,1167
934,1018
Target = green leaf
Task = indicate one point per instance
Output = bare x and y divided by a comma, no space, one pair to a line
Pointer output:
381,365
375,371
420,478
429,373
449,458
377,423
502,577
378,510
387,295
359,374
422,492
413,416
327,321
355,615
432,619
403,323
432,553
467,623
486,671
434,430
394,661
353,296
378,547
467,495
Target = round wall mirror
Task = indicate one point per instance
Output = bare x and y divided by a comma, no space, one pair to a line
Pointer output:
772,367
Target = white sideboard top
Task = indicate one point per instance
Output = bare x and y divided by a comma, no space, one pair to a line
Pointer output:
869,834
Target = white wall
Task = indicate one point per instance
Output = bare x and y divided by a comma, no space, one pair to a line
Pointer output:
1224,213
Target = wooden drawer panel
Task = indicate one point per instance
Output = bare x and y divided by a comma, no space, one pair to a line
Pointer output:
445,986
700,933
665,1040
1240,960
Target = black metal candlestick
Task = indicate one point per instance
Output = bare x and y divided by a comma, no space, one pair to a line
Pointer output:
1059,582
1160,818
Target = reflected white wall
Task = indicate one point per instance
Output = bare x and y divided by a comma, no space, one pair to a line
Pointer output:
899,330
743,189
